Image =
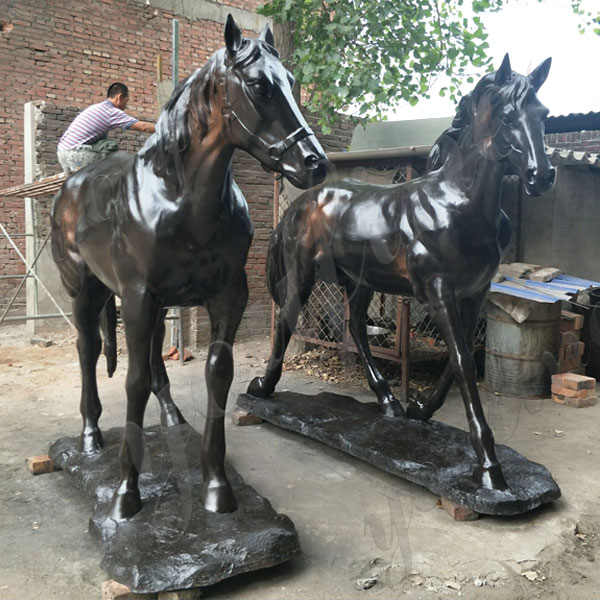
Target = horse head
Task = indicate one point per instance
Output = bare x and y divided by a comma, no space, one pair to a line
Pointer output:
508,123
263,116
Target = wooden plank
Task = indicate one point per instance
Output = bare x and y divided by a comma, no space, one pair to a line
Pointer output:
43,187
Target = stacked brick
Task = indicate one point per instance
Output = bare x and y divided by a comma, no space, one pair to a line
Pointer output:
574,390
571,348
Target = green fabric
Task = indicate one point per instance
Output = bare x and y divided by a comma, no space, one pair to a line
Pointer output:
105,146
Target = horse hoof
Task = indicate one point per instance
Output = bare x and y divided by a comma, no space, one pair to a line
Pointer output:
89,443
392,409
258,389
491,477
417,411
125,505
171,417
218,498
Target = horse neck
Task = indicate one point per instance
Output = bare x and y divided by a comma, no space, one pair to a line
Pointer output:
480,178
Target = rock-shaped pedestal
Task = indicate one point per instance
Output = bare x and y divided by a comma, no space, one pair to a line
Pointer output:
174,543
434,455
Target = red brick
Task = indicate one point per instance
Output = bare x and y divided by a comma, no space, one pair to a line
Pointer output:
574,402
573,381
457,512
570,321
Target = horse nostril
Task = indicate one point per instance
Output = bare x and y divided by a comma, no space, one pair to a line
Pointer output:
311,161
531,174
551,175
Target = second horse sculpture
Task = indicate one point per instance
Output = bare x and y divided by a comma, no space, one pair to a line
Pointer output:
439,238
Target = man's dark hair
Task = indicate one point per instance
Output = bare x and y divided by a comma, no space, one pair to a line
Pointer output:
117,88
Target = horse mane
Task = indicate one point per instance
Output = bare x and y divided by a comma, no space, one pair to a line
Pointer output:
517,86
187,111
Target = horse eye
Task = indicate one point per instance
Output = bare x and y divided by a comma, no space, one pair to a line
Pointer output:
262,88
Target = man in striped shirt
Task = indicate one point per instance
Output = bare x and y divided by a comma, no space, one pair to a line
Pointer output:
84,142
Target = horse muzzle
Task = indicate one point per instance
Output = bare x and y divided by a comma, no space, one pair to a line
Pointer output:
305,163
537,183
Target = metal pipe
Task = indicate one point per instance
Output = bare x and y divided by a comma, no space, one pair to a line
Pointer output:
175,52
37,317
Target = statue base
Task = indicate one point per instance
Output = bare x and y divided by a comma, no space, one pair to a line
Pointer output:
174,543
434,455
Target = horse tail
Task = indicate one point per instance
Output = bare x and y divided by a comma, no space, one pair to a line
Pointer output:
108,324
276,271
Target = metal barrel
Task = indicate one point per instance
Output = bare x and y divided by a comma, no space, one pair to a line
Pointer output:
517,354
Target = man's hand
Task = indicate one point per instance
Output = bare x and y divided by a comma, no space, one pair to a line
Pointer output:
143,126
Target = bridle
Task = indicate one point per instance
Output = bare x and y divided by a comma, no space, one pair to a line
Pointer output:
274,152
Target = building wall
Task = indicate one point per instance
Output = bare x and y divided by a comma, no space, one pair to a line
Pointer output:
560,228
67,52
589,141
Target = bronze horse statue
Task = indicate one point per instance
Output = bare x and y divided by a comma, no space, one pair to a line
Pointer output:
168,226
440,238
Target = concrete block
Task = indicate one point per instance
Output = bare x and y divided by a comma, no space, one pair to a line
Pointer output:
573,381
457,512
241,418
544,275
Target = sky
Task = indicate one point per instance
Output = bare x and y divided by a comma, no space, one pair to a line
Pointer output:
531,32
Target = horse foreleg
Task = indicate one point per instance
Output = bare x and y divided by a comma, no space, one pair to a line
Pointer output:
161,388
423,409
359,299
446,316
225,315
87,307
139,312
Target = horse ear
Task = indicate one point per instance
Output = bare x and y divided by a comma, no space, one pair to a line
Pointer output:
233,35
539,74
266,35
504,73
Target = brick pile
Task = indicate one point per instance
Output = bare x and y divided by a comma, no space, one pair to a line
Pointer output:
570,348
574,390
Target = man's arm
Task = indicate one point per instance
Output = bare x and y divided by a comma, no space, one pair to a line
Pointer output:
143,126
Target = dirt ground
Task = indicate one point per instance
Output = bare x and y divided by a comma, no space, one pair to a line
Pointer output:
358,527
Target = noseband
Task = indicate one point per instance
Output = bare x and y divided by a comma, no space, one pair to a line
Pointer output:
276,151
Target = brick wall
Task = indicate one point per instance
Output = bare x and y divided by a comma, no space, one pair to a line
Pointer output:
589,141
67,52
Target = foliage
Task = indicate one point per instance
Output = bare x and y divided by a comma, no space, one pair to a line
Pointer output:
368,55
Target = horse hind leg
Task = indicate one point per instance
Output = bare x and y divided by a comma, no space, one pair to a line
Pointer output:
161,387
359,299
87,307
108,324
298,292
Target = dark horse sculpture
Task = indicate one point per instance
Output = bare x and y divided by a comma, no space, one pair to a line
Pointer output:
439,238
169,226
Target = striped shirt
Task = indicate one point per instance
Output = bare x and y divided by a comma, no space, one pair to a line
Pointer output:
93,124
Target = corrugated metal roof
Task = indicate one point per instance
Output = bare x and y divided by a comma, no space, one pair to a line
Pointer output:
573,122
566,157
563,287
